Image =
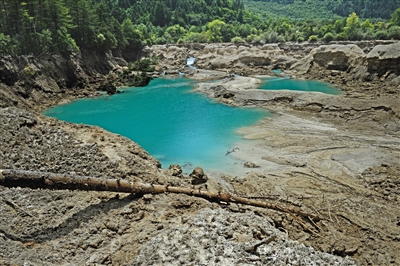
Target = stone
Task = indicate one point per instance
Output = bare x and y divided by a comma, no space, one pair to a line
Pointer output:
107,87
198,176
330,57
251,165
175,170
384,58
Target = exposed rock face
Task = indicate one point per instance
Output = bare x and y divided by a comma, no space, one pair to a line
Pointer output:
384,59
230,57
342,64
28,82
347,66
330,57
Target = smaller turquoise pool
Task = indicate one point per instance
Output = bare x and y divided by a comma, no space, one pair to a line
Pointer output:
278,83
277,71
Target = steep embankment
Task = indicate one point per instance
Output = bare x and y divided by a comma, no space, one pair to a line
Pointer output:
39,82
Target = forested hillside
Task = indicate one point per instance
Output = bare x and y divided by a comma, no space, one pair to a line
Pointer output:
37,26
323,9
123,26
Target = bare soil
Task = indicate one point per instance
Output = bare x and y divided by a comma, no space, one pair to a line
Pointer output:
335,156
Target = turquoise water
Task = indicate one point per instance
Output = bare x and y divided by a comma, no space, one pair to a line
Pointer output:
277,71
277,83
173,124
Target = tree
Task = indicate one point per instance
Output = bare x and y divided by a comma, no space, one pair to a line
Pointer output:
64,41
5,45
214,30
228,32
394,32
174,33
313,38
352,25
395,17
160,15
328,37
132,35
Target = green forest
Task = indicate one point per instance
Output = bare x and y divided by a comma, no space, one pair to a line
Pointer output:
323,9
123,26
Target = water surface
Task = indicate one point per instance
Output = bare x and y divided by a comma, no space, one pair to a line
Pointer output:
173,124
279,83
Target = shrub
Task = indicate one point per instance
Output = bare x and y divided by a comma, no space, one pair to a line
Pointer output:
300,39
394,32
313,38
237,40
141,65
381,35
281,38
29,71
328,37
341,36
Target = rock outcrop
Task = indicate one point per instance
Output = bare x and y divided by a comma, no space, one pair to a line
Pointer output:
384,60
339,63
36,82
198,176
330,57
227,56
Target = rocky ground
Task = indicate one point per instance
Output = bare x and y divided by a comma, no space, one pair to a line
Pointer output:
335,156
332,153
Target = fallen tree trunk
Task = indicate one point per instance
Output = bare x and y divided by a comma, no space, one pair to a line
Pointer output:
20,178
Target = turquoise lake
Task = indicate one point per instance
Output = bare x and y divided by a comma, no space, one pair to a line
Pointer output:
279,83
173,124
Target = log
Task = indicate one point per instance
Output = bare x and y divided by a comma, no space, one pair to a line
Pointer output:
31,179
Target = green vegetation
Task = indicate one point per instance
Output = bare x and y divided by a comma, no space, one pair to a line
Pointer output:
125,26
142,65
322,9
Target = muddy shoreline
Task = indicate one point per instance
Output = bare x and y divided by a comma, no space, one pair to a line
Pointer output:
337,156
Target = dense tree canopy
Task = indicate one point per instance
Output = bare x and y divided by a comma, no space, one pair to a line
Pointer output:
324,9
42,26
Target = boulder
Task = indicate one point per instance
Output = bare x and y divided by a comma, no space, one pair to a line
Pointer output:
255,58
198,176
330,57
283,62
251,165
222,62
384,58
107,87
336,56
175,170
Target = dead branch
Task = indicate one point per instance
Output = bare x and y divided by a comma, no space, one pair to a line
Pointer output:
253,248
17,207
20,178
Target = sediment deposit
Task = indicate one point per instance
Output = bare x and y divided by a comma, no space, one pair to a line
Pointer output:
337,156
